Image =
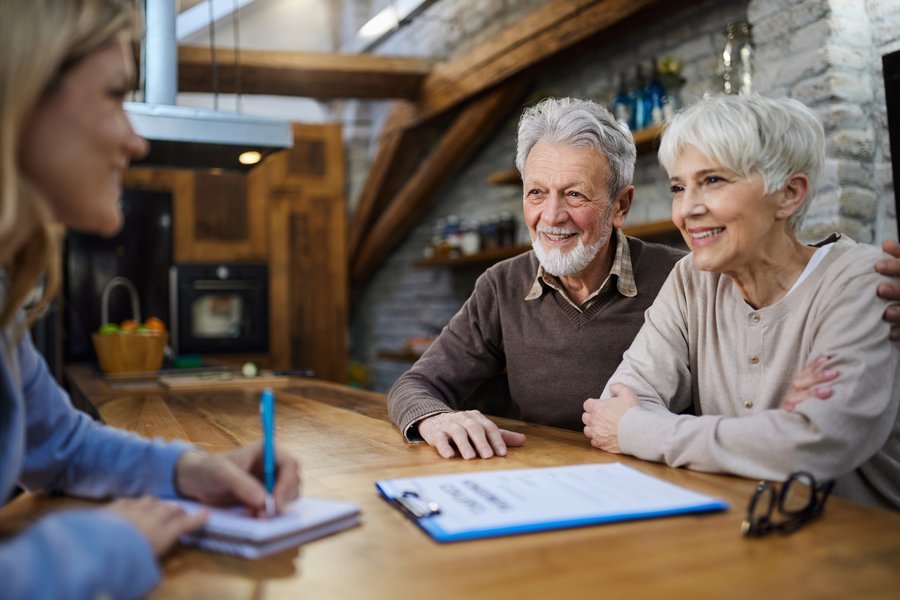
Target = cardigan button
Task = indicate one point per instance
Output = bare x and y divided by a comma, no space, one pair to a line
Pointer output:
755,317
754,360
748,404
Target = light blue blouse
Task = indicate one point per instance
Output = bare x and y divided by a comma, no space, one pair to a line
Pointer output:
46,444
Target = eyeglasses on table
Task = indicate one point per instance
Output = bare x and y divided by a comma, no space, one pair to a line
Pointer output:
785,507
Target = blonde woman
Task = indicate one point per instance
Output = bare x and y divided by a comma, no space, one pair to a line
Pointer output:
750,307
65,68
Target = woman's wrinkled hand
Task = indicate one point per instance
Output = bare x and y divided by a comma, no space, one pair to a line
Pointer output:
602,415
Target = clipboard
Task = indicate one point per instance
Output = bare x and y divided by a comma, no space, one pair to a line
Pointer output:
468,506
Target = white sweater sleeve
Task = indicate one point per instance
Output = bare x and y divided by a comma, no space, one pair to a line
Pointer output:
830,438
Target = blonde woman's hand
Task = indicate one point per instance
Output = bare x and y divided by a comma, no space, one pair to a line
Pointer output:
160,522
235,477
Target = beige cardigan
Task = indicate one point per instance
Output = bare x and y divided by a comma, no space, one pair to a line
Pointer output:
702,346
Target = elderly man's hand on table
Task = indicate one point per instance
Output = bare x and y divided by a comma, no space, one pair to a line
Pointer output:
467,429
602,415
235,477
891,291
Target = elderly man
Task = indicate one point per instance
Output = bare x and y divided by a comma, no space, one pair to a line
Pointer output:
558,319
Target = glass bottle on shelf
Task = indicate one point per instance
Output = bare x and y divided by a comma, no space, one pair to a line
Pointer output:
622,103
669,74
736,62
654,97
638,114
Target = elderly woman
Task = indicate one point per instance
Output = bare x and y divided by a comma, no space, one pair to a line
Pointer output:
748,309
65,68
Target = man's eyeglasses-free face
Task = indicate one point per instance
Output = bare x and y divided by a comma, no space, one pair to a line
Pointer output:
798,500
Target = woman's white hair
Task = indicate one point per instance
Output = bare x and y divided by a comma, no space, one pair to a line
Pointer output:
579,123
750,133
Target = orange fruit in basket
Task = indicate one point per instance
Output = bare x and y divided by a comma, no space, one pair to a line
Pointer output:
155,324
128,326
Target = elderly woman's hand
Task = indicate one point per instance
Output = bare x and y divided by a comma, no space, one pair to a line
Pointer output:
602,415
811,382
891,291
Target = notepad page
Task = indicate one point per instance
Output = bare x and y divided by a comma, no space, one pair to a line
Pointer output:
299,516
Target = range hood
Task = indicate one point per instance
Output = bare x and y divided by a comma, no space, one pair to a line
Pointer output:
187,137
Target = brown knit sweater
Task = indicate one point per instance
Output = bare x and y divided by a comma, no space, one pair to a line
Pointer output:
555,356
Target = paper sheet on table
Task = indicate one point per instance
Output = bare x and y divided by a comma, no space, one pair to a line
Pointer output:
232,531
493,503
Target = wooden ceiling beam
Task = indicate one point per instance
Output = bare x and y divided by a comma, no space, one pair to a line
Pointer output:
318,75
538,37
463,137
391,147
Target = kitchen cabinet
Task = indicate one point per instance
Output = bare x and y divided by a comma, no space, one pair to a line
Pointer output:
289,212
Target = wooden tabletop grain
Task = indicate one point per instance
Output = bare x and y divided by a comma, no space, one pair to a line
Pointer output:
345,443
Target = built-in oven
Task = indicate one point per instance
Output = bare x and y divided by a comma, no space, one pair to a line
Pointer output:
219,308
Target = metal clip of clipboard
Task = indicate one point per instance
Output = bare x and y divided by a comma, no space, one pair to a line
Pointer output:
417,507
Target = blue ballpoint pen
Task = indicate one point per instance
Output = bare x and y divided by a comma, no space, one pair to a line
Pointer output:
267,414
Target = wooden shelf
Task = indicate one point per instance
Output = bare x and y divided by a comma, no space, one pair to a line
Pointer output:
488,256
645,140
646,231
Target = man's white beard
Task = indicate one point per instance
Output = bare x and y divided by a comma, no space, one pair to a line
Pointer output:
560,263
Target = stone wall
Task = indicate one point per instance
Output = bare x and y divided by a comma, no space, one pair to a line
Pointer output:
825,53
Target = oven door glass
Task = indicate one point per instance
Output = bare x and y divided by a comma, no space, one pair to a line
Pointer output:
221,309
218,315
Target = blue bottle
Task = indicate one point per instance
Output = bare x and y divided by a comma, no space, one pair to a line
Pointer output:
622,104
655,98
639,117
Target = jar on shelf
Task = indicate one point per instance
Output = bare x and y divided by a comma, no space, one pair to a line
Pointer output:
506,230
453,235
470,241
488,233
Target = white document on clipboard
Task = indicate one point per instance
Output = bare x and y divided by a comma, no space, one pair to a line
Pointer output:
465,506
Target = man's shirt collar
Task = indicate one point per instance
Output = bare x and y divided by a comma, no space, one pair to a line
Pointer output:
621,268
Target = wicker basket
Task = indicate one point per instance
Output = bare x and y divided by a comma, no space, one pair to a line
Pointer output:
130,352
127,352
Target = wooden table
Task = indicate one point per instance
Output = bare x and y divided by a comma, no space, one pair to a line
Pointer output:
345,442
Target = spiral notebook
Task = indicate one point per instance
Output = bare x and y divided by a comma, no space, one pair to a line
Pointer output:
232,531
466,506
